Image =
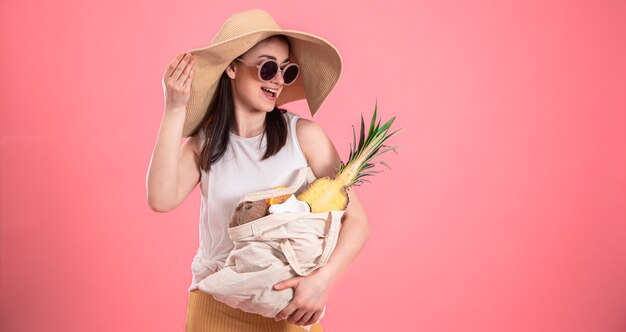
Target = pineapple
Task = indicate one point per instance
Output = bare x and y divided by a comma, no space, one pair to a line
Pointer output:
325,194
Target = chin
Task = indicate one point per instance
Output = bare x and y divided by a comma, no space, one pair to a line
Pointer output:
266,107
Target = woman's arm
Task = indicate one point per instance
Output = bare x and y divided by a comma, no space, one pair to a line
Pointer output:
324,160
311,291
174,171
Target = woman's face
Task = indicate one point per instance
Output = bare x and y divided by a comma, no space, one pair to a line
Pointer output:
245,81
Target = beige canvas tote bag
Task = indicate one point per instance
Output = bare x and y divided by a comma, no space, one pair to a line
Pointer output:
271,249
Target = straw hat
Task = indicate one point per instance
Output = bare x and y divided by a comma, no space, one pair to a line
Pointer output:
320,63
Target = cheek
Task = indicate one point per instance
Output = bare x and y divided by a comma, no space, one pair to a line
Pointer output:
250,85
248,89
254,91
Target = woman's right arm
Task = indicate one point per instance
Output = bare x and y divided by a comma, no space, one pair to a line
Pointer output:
174,171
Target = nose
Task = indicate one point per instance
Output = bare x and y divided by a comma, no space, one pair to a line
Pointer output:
278,79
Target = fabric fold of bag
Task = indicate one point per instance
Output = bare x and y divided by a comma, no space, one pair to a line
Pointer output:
271,249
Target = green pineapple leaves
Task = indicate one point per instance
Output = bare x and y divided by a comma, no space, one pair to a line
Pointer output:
369,147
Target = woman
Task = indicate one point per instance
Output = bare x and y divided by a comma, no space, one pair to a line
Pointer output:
225,98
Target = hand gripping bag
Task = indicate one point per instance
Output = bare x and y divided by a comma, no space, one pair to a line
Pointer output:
271,249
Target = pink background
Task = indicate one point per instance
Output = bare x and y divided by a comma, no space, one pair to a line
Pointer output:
505,209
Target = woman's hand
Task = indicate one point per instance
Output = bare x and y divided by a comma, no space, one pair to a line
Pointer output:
177,81
310,294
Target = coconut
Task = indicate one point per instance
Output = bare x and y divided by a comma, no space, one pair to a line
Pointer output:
248,211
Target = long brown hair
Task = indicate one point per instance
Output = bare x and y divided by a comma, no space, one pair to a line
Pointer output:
220,115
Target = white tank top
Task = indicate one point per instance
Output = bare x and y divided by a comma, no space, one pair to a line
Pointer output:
238,172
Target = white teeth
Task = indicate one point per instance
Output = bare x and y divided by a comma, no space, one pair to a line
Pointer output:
270,90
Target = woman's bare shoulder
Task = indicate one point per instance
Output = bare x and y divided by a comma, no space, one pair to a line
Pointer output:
317,148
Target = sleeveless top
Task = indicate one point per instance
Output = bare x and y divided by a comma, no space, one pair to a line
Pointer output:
239,171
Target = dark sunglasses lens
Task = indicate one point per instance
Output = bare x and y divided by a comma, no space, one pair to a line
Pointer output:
269,70
290,74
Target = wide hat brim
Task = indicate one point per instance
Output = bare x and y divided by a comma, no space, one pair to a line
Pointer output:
320,69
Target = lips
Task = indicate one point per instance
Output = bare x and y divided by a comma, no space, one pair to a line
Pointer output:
274,91
269,94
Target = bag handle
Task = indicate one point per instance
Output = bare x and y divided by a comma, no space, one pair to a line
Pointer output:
257,227
304,173
334,218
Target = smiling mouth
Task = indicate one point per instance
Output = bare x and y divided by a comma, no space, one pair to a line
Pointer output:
269,94
269,91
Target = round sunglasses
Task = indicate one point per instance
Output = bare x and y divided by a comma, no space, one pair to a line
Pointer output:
268,69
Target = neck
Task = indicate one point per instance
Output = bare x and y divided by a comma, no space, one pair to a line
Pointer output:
248,123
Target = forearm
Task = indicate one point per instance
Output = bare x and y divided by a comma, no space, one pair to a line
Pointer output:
353,234
162,175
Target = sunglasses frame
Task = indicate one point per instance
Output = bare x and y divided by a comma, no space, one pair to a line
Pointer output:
282,71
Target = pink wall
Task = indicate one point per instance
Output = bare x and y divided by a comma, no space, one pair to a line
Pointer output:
504,211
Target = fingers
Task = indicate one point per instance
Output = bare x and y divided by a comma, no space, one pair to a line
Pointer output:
314,318
284,313
189,73
287,311
297,315
173,64
183,68
177,68
291,282
305,318
178,79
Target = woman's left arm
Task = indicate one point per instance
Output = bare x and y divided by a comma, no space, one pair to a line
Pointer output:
311,291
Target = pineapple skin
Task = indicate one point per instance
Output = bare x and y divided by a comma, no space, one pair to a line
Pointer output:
325,194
